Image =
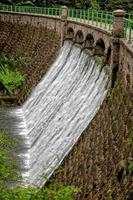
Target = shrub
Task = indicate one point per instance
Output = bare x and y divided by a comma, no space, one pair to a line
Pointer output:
12,61
34,193
10,77
10,80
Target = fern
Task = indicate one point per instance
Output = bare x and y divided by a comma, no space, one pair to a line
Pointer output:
13,62
10,80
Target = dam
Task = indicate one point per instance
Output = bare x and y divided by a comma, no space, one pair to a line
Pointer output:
57,112
80,113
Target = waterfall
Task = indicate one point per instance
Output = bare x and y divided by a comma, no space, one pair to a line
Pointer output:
56,113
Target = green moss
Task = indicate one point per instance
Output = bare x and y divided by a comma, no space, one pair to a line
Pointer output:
108,195
130,138
59,170
2,104
130,166
102,66
9,167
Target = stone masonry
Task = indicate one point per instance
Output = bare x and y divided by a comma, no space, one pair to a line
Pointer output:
99,162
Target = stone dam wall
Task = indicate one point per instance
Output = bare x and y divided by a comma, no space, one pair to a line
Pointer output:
35,20
98,164
99,161
39,44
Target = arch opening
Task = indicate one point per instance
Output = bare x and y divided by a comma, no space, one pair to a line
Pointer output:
79,38
89,42
100,47
70,33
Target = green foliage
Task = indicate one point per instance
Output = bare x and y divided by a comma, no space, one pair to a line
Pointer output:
130,166
82,3
33,193
13,62
119,4
64,193
26,3
101,66
59,170
9,172
94,5
11,80
17,2
8,164
74,3
108,195
2,104
130,138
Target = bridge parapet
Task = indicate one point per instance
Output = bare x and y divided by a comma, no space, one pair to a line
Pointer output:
101,19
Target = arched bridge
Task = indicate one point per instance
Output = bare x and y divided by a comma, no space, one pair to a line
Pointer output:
103,33
103,20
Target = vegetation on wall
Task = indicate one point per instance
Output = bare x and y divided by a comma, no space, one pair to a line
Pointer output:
9,174
11,78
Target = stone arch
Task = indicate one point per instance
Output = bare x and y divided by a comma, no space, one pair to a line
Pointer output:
89,41
100,47
70,33
79,37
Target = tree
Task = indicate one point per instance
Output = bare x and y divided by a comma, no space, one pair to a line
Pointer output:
119,4
94,5
17,2
101,4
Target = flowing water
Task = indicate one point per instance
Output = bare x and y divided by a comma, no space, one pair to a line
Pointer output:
59,109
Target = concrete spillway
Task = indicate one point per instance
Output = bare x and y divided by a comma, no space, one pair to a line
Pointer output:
59,109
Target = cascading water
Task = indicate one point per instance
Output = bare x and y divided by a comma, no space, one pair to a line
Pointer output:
57,112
